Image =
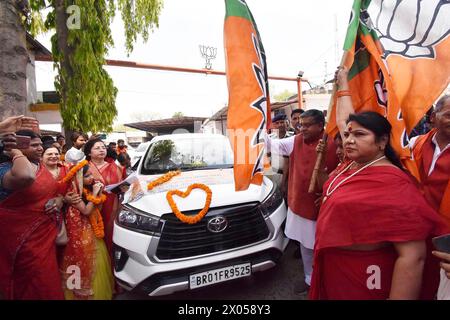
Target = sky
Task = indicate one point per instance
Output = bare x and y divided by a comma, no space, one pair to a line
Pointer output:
304,35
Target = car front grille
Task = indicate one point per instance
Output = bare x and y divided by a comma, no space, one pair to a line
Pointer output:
178,240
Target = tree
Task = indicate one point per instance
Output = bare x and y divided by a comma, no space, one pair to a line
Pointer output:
141,116
13,59
178,114
79,47
283,96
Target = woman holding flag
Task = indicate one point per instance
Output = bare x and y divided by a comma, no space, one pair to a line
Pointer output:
373,222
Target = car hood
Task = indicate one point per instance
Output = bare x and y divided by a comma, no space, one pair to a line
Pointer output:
220,181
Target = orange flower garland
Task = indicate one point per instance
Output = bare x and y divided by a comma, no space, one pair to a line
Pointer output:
95,200
189,219
163,179
73,171
95,218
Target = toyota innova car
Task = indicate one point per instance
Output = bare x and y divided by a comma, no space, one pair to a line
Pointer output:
242,233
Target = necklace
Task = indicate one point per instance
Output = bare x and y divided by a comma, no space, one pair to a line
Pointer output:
54,172
330,191
99,166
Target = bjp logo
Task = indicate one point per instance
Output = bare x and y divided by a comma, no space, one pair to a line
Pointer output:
412,38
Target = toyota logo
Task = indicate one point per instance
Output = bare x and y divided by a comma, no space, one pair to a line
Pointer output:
217,224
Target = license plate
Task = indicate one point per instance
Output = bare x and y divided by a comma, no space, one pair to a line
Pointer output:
219,275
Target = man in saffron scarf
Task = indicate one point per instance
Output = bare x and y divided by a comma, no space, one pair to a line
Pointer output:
28,264
432,155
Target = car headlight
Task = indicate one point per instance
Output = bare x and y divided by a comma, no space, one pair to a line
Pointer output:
271,203
131,219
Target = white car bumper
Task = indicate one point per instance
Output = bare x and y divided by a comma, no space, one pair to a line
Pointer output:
140,269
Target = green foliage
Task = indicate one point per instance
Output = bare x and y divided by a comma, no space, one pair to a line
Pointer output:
34,21
178,114
87,92
139,17
283,96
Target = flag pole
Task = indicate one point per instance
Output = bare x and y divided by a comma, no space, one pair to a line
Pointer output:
320,156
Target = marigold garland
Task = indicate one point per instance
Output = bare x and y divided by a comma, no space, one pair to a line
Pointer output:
73,171
95,200
95,218
163,179
189,219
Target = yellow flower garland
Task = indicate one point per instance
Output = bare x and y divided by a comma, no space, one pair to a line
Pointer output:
163,179
189,219
73,171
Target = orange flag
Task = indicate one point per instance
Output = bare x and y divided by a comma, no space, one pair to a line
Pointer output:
248,106
399,66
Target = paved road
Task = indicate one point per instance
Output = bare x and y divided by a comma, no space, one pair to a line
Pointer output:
274,284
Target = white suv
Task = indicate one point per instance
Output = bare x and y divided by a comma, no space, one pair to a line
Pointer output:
242,233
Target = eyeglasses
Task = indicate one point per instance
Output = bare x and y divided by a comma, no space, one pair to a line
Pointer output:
307,125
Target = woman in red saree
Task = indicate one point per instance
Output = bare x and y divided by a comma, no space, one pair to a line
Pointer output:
373,225
107,173
28,263
86,248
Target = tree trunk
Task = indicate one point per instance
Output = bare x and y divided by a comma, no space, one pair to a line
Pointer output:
13,61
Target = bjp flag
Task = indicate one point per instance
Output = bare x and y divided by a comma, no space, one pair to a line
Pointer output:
248,106
399,63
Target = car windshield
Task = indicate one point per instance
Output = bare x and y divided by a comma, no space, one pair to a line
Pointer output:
142,147
188,153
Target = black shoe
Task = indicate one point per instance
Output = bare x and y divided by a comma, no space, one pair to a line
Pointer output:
301,287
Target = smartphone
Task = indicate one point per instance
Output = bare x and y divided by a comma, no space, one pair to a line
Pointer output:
23,142
50,203
442,243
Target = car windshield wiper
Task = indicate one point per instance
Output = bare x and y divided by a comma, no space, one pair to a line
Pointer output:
206,167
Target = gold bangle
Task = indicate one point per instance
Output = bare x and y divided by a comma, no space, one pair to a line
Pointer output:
343,93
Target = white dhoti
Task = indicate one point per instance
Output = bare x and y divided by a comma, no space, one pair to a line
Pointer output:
300,229
304,231
444,287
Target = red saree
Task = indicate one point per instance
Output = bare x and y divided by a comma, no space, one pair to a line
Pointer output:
378,205
28,264
80,249
109,174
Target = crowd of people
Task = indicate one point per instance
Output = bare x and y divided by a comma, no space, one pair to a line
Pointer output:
56,221
366,231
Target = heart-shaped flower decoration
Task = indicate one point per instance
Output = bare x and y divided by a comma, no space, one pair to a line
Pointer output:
189,219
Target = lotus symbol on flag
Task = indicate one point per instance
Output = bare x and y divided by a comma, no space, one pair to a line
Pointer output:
412,28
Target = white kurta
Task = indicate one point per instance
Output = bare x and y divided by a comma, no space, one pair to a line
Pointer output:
300,229
297,228
444,287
